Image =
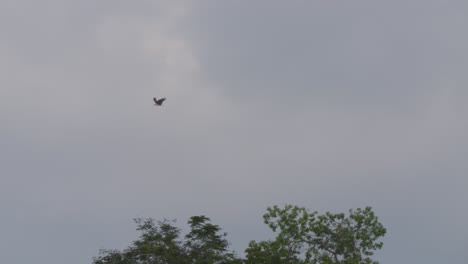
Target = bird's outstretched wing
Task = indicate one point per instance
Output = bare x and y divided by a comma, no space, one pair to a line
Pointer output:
158,102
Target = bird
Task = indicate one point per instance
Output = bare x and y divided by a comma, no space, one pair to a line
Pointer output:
158,102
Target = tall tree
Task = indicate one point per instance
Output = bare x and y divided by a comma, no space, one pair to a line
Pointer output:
205,243
160,243
304,237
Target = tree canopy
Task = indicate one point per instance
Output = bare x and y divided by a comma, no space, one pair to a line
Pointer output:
302,237
160,242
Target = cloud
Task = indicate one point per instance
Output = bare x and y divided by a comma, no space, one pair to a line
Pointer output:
358,54
323,104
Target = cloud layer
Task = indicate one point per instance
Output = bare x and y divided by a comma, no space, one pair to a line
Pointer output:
323,104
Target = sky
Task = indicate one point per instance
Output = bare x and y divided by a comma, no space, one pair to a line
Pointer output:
329,105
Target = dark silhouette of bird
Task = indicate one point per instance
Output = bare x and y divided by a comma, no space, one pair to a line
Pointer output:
158,102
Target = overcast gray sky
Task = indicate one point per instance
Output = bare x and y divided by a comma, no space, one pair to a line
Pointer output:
325,104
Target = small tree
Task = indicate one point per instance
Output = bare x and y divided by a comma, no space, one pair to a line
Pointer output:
305,237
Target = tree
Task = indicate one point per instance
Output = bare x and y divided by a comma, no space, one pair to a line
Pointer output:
160,243
205,244
301,238
305,237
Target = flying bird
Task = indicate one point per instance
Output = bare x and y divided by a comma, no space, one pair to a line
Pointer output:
158,102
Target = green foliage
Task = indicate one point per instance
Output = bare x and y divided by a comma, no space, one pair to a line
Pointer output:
305,237
301,238
205,244
160,243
